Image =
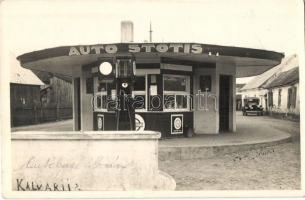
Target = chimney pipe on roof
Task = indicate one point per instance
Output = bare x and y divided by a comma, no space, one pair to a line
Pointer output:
126,31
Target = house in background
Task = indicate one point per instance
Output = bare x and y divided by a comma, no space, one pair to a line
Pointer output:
38,97
55,96
239,95
283,94
24,94
255,87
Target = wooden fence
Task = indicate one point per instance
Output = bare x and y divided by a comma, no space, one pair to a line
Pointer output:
28,116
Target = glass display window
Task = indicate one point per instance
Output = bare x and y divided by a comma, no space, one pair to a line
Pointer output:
104,94
139,93
176,94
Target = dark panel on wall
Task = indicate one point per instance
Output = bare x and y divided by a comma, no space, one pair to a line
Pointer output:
224,102
109,120
205,82
89,85
161,121
148,65
156,121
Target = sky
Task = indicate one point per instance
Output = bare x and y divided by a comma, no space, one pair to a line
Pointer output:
264,24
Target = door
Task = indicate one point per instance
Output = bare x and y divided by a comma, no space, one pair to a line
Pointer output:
224,102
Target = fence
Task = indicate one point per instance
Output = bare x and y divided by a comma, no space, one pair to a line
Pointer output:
28,116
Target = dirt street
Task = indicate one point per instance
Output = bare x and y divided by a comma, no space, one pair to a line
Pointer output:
269,168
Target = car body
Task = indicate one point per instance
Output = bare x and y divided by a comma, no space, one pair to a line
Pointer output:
252,106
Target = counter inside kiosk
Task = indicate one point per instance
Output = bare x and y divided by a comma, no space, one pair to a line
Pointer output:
126,100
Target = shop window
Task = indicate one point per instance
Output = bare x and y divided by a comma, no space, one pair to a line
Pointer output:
139,84
292,97
100,101
104,95
181,101
139,102
169,101
176,92
102,87
124,68
139,93
175,83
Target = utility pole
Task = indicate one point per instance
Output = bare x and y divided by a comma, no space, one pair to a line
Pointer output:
150,32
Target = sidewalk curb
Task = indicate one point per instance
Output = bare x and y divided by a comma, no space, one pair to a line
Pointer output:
197,152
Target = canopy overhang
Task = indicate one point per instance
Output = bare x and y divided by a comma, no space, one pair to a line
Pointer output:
63,60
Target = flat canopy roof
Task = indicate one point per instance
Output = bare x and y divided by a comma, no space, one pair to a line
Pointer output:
62,60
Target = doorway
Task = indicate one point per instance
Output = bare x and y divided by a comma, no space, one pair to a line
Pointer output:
224,102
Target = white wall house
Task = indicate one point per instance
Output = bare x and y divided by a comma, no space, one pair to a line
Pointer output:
283,93
256,87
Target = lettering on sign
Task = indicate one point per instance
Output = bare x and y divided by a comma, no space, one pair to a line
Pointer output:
100,122
140,123
47,174
24,185
60,163
177,124
136,48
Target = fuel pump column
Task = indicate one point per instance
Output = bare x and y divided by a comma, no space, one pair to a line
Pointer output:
122,69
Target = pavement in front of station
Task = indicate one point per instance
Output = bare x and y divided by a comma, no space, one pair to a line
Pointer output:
250,130
253,132
228,161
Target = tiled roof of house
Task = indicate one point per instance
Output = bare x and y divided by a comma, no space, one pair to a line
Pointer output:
285,78
264,78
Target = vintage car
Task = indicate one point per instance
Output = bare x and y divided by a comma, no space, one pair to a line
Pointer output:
252,106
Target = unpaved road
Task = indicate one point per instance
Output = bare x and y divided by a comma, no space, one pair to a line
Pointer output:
269,168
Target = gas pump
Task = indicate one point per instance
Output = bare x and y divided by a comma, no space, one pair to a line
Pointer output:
124,69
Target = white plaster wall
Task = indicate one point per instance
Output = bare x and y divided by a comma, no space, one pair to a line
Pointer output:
276,97
297,110
284,100
87,161
205,122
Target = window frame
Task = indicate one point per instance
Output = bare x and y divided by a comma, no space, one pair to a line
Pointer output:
100,93
142,93
177,93
292,97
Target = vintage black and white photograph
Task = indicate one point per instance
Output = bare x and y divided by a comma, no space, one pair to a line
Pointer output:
151,98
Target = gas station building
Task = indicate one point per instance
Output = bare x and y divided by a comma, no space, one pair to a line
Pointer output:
176,88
